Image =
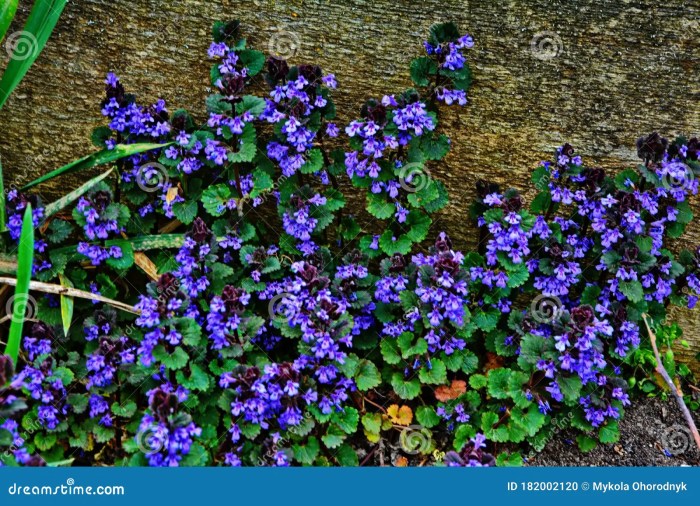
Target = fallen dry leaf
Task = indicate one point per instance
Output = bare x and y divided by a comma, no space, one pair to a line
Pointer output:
401,461
446,393
493,361
400,415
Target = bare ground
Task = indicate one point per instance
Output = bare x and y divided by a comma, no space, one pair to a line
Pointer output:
652,433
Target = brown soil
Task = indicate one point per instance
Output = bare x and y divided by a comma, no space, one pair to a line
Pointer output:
649,427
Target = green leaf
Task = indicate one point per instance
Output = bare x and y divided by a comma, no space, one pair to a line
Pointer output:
66,305
21,298
391,245
633,290
100,135
216,103
262,182
610,432
379,207
506,459
427,417
125,410
334,437
498,383
586,443
44,441
27,44
254,60
518,276
101,157
406,389
422,69
247,146
251,103
541,202
306,454
436,375
67,199
372,422
198,379
590,295
436,147
347,457
7,13
531,420
214,199
570,387
186,211
347,419
127,258
367,376
314,162
175,360
390,351
478,381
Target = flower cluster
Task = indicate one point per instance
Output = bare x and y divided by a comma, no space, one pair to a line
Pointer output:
165,433
284,321
41,379
101,219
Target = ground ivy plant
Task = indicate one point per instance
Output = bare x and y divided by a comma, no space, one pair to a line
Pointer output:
237,310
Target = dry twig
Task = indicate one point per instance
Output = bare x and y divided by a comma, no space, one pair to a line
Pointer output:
674,390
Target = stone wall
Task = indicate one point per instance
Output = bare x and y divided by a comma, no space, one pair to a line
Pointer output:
595,73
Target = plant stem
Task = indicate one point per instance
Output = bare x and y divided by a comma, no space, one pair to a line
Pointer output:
664,374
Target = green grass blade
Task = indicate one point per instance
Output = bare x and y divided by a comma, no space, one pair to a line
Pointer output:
21,298
67,199
28,44
7,14
143,243
66,305
3,210
101,157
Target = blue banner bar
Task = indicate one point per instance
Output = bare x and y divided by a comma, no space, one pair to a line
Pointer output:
336,486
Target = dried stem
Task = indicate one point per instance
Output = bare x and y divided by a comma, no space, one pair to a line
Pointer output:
664,374
71,292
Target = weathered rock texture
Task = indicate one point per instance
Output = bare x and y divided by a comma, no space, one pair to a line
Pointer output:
621,69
